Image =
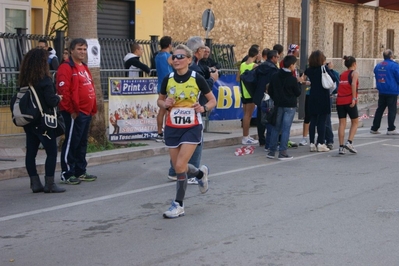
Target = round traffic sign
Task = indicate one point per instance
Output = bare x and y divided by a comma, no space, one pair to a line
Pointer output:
208,20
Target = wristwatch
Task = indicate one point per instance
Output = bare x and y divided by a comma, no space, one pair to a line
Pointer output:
205,108
354,99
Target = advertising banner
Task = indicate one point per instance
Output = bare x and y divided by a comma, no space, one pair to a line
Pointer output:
228,99
133,106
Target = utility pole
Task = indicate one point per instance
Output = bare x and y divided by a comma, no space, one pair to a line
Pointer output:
304,52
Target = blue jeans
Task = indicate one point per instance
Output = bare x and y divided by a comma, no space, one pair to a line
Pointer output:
269,129
285,116
385,100
194,160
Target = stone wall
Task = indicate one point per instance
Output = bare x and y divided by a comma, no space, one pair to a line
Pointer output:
265,22
237,22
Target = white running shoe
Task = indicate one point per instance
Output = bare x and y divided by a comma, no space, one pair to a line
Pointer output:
192,181
350,147
312,147
322,147
341,150
175,210
203,182
303,142
172,178
249,141
392,132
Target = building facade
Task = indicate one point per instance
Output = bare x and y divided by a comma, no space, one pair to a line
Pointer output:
348,27
361,28
134,19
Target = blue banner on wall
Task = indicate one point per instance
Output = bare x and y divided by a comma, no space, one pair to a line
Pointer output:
228,97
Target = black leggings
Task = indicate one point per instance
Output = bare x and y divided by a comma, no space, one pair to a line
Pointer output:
33,138
318,121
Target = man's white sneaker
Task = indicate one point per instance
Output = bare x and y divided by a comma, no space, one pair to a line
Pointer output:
303,142
175,210
172,177
249,141
322,148
375,132
312,147
392,132
203,182
192,181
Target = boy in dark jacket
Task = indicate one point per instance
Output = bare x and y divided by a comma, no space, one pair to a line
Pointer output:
284,90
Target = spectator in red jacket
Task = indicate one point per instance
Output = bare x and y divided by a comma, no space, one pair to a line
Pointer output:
75,84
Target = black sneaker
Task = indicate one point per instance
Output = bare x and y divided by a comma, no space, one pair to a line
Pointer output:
330,146
87,177
292,144
159,138
73,180
284,156
270,155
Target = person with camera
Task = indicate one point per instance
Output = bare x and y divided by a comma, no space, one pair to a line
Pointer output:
207,63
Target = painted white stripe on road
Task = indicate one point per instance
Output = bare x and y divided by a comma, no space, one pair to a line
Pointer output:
68,205
135,191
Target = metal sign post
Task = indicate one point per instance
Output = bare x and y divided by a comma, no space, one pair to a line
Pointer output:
208,22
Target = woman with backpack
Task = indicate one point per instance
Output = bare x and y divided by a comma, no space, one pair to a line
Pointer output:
347,104
35,73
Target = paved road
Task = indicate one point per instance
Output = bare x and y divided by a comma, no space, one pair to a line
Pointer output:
317,209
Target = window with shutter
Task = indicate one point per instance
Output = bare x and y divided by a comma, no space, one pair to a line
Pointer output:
294,31
338,40
391,39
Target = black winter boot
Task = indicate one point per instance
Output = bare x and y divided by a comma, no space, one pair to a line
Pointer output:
35,184
50,186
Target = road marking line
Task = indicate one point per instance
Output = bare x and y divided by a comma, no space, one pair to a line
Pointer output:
391,145
68,205
121,194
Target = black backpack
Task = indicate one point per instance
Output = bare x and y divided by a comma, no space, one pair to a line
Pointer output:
250,81
267,110
24,108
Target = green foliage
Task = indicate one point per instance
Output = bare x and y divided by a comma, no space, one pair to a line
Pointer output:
94,147
7,90
62,22
61,11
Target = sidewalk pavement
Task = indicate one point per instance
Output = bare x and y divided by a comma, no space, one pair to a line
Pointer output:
219,134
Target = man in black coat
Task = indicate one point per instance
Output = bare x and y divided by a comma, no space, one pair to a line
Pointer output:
263,75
